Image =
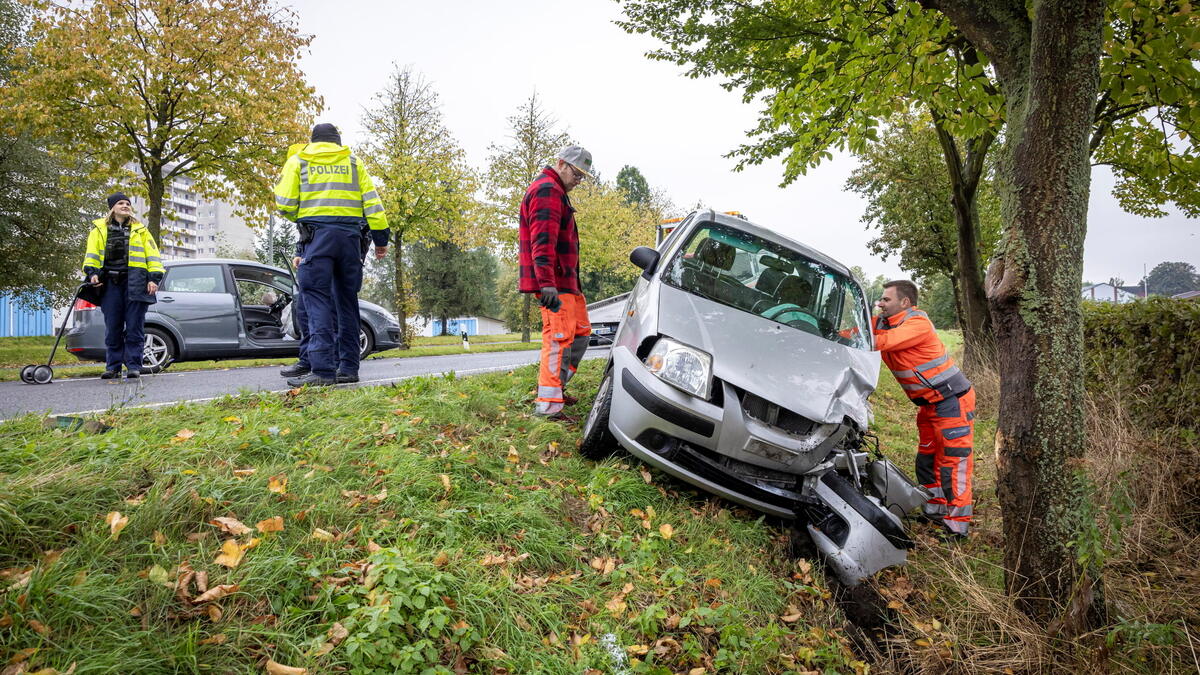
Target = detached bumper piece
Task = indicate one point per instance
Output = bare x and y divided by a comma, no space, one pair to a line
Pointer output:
856,535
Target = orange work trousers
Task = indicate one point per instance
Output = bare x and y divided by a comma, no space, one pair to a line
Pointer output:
564,342
945,460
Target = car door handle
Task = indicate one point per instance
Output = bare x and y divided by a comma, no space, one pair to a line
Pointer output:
166,298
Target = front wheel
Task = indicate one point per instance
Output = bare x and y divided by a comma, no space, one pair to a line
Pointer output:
598,441
159,351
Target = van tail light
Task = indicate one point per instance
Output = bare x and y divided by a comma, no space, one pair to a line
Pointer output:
81,304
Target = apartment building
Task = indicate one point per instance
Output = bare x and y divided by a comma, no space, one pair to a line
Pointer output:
200,226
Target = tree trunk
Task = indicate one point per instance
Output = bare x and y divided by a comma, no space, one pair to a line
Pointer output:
398,285
445,325
1049,72
525,316
970,294
154,202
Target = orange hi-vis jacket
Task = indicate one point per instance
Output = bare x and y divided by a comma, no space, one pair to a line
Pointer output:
910,347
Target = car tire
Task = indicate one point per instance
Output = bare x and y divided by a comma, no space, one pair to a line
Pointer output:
598,441
160,350
366,341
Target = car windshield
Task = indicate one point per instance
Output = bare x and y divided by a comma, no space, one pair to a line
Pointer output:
740,270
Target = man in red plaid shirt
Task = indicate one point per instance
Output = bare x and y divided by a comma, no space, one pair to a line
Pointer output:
549,261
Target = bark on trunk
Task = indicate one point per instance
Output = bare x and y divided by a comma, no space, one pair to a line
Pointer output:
398,286
970,293
1050,83
154,202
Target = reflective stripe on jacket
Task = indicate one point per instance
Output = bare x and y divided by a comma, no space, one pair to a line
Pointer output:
910,347
325,181
143,252
145,263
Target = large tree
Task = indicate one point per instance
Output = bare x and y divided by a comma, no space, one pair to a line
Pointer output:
830,72
534,138
631,181
42,233
1170,278
425,182
453,281
205,88
903,176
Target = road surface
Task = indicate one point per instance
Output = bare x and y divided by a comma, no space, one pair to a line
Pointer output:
86,395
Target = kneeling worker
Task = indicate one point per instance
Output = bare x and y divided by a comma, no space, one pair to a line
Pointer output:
327,191
910,347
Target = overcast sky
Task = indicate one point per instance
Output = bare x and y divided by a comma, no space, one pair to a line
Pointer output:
485,58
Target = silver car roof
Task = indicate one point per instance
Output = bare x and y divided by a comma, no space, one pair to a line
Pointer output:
773,236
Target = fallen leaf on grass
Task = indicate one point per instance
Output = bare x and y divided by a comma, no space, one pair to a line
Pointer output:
278,484
336,633
441,559
280,669
513,455
646,476
793,614
182,435
231,525
604,565
39,627
232,552
697,671
160,539
218,639
216,593
116,522
202,581
214,612
22,655
666,531
159,576
53,671
274,524
445,481
6,621
232,418
501,559
322,535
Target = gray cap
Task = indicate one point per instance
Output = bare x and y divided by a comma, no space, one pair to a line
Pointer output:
577,157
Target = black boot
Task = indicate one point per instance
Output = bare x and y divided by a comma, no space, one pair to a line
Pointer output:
344,378
312,380
110,375
294,370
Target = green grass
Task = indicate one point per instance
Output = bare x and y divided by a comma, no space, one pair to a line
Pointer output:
487,531
17,352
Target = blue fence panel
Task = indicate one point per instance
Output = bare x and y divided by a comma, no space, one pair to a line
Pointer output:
456,326
18,319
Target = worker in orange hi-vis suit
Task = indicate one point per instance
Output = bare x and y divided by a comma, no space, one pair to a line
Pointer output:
909,345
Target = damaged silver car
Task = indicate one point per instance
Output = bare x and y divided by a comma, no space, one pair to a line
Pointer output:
742,365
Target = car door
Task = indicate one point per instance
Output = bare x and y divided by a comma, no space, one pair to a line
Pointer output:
198,300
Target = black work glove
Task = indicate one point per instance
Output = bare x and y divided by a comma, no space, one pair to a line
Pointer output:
548,298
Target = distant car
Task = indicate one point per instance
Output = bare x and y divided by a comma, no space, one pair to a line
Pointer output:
743,365
221,309
605,317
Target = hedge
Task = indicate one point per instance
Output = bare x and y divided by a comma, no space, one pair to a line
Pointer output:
1149,351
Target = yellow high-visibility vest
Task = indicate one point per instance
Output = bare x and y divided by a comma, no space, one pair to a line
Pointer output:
143,252
326,179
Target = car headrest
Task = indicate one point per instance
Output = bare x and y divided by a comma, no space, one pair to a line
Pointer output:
769,280
715,253
794,290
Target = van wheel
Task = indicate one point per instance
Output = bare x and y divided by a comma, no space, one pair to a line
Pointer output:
598,441
159,351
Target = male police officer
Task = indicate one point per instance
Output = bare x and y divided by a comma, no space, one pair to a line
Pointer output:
327,191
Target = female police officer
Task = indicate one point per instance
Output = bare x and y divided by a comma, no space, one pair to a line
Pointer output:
123,258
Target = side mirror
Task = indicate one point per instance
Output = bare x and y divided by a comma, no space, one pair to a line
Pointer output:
645,258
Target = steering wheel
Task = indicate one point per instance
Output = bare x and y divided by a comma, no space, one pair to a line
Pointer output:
281,302
786,307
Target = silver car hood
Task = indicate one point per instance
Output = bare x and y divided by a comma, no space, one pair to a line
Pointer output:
811,376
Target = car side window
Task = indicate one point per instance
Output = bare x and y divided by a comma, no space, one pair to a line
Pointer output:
194,279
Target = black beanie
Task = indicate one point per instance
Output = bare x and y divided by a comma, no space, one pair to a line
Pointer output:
116,197
326,132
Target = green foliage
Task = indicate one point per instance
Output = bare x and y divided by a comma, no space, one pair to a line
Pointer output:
400,620
903,177
451,281
534,138
1146,352
631,181
205,88
937,299
276,244
1171,278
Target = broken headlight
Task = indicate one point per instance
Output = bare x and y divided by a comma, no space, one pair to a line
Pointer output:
681,366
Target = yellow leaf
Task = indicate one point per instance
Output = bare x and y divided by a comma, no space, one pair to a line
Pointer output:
159,576
322,535
280,669
231,554
666,531
441,559
218,639
243,473
513,455
232,418
182,435
921,642
697,671
22,655
160,539
277,484
39,627
336,633
116,522
216,593
274,524
445,481
231,525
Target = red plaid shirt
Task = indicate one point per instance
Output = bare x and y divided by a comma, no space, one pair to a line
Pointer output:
548,240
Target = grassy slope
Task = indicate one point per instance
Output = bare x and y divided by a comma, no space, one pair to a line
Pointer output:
17,352
371,467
